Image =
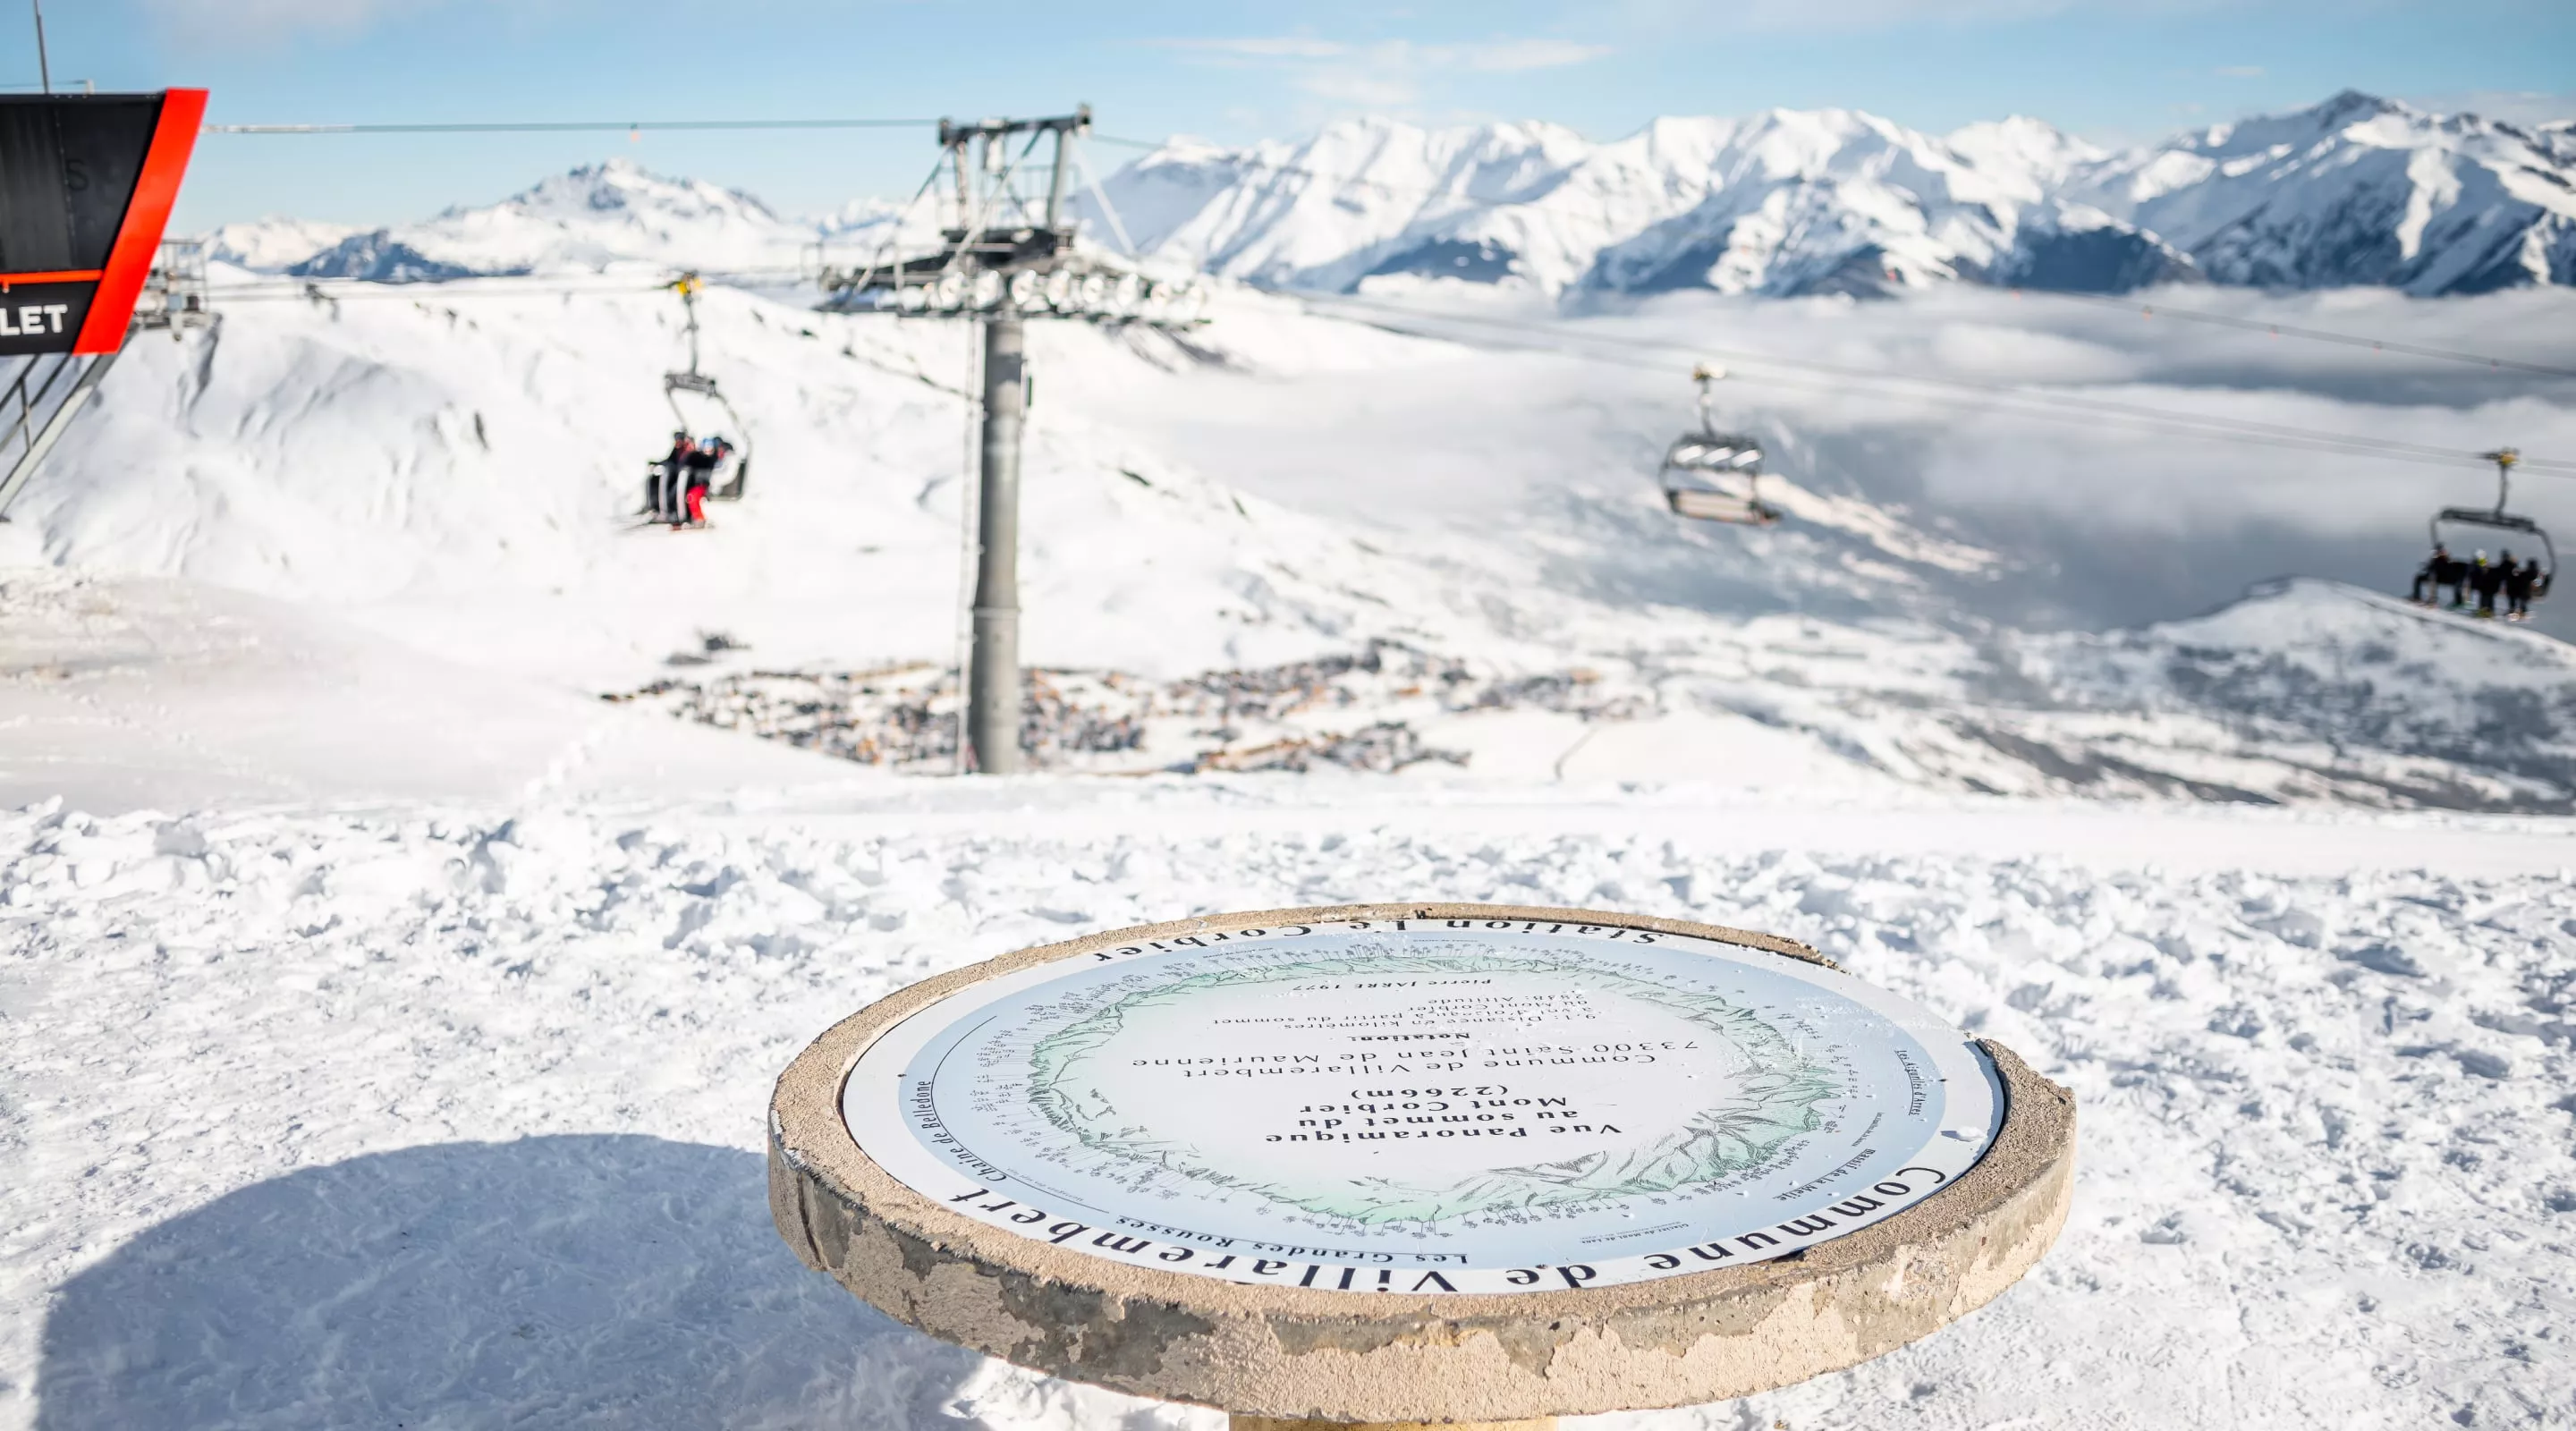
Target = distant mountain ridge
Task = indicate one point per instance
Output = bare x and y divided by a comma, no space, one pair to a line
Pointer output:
2357,190
591,219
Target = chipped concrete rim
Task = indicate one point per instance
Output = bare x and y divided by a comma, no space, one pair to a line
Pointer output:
1341,1356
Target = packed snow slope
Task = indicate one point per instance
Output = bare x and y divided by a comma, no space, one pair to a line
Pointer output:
438,1118
150,692
2355,191
456,468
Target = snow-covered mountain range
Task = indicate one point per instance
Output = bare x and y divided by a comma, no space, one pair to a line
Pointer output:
2355,191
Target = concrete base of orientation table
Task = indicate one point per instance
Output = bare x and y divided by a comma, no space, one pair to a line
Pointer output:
1287,1358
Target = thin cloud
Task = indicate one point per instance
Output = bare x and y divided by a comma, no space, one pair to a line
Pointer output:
1513,56
1499,56
1850,16
1865,16
1258,47
2239,72
1360,88
237,20
1386,75
2514,106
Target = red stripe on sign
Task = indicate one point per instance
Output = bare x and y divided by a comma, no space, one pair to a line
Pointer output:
66,275
138,240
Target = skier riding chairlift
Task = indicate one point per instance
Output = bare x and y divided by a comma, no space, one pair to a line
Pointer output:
701,464
664,479
2541,577
1712,476
703,386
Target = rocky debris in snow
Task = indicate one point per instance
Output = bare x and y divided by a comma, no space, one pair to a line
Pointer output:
1349,710
1383,748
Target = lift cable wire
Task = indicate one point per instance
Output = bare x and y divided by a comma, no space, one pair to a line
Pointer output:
2313,335
1564,338
2490,361
1998,397
424,294
569,126
2001,406
2035,402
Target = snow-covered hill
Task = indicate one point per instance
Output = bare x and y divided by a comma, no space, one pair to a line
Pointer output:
2356,190
457,475
464,469
2346,694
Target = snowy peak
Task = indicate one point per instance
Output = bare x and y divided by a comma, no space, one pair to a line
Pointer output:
627,190
1781,202
2020,144
2355,190
1357,194
591,219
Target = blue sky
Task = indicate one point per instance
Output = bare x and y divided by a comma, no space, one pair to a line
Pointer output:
2113,73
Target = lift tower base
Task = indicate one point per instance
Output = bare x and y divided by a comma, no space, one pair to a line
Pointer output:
993,679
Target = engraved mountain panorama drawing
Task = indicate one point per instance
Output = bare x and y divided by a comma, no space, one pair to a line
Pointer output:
1757,1092
1434,1105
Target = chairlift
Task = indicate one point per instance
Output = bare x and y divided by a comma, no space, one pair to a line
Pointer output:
2498,519
1714,476
730,485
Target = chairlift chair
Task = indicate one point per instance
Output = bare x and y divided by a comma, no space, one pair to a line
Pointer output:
1714,476
2498,519
701,385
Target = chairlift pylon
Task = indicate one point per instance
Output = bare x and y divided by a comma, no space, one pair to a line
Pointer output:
1714,476
700,384
2499,519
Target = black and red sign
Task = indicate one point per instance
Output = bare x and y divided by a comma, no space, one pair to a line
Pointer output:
86,185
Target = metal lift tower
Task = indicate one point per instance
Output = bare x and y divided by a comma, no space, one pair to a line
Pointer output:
1009,255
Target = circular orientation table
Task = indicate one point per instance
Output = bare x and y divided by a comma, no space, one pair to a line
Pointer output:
1431,1163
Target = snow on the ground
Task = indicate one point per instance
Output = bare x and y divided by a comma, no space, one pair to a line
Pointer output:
141,693
453,1119
389,1018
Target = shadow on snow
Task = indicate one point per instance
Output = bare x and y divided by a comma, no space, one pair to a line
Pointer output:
595,1281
